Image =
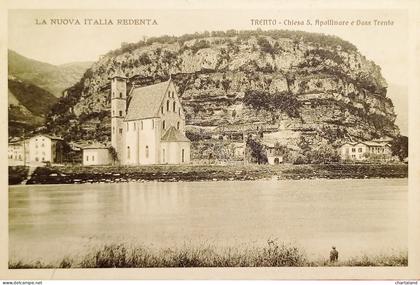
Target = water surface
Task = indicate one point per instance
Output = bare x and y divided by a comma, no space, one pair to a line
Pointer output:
357,216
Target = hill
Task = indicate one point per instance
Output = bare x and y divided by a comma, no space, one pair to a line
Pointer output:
301,89
53,78
34,87
28,106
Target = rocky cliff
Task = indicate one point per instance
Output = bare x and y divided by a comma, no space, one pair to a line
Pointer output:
233,79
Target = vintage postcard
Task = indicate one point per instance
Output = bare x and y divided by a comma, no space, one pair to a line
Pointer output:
200,140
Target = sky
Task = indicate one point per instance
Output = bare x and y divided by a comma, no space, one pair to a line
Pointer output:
386,45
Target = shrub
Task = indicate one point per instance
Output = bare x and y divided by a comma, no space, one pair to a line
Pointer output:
17,174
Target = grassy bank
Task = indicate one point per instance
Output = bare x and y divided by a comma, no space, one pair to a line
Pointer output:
17,174
273,254
109,174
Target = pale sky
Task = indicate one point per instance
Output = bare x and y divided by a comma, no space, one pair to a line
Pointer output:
387,46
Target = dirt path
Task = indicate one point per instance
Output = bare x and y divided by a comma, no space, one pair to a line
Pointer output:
30,172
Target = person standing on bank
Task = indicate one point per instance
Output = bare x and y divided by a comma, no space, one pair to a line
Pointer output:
333,255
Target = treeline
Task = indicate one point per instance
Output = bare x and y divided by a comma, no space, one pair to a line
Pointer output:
321,40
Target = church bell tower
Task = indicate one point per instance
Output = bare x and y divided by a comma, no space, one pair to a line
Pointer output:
118,112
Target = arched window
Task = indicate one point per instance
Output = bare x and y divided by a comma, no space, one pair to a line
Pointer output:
153,124
141,125
163,156
182,155
163,124
120,94
173,106
177,125
167,105
128,152
161,109
147,151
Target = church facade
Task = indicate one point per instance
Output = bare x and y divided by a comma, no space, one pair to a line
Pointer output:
148,124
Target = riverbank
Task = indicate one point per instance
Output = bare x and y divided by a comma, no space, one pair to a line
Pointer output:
274,254
174,173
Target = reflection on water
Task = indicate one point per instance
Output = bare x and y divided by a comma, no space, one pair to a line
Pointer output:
354,215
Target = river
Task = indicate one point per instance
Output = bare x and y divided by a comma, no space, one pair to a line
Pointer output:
48,222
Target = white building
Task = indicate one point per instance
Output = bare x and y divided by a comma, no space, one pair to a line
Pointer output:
18,152
148,126
96,155
45,148
274,154
364,150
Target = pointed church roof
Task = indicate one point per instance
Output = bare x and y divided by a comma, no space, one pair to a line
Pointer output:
145,101
174,135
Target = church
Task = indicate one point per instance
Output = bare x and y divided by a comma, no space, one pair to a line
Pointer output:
148,124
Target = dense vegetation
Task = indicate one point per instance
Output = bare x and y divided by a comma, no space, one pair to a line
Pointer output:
273,254
17,174
399,147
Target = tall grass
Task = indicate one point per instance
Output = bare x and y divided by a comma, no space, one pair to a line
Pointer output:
273,254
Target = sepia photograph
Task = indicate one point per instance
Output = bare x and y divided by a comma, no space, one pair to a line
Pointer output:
207,138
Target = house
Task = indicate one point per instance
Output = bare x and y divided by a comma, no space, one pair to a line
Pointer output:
148,125
365,150
96,155
18,152
274,153
45,148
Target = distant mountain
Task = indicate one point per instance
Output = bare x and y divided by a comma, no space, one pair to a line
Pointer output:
28,105
36,100
53,78
34,87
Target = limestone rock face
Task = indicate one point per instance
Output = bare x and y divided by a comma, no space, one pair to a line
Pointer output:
339,90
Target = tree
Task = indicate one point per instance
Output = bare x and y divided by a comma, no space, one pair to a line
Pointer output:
256,151
399,147
114,155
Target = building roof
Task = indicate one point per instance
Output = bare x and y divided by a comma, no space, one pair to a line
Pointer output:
174,135
367,143
145,101
48,136
118,74
95,146
374,143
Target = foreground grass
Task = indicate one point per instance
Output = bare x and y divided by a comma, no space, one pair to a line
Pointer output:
170,173
271,255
